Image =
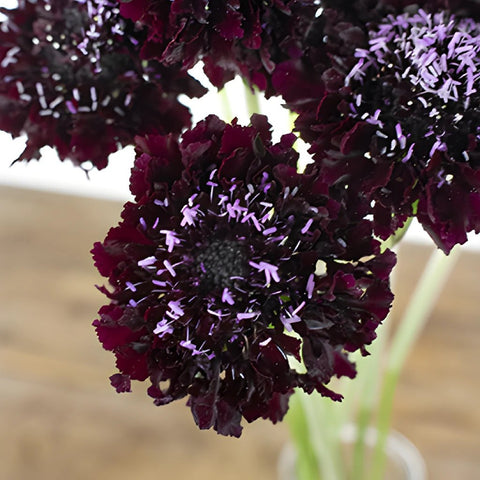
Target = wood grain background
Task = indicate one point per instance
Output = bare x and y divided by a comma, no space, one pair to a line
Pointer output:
60,419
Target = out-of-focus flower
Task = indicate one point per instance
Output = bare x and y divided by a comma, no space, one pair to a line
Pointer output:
248,38
71,78
401,123
231,268
329,43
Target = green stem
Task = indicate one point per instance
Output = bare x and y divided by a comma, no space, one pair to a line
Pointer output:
315,437
369,373
324,435
306,461
252,100
226,104
415,317
367,393
358,466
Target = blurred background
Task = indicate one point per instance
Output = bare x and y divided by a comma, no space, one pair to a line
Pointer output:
61,419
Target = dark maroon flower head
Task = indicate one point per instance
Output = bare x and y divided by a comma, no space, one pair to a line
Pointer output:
71,78
229,269
403,127
231,37
331,39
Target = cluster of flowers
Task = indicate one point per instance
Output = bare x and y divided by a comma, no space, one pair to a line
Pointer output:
234,277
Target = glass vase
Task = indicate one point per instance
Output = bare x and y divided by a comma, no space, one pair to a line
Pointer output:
403,459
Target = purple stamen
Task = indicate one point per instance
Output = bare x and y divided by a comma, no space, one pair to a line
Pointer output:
305,229
270,230
147,262
310,285
438,145
227,297
216,313
247,315
251,216
409,153
270,271
189,215
170,239
189,345
169,267
163,327
162,203
287,321
441,178
298,308
176,308
235,210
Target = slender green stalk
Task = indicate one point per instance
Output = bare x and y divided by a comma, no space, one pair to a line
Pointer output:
225,104
365,388
415,317
323,435
314,432
383,425
369,374
252,100
306,461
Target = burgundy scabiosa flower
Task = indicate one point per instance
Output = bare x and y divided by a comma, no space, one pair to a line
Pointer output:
231,37
339,28
71,78
404,126
229,269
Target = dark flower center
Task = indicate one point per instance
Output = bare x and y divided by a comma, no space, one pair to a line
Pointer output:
220,263
75,21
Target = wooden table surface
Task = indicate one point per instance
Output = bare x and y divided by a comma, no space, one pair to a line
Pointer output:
60,419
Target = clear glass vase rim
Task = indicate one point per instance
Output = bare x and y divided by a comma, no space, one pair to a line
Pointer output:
398,447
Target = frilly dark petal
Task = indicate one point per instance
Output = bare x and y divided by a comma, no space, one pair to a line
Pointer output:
299,86
121,383
247,38
449,211
158,157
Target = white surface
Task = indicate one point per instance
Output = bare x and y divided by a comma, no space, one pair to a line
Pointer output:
50,174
